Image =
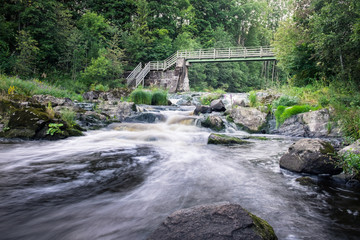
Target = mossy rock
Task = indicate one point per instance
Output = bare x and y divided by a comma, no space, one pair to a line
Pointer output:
306,181
263,228
215,138
74,132
213,122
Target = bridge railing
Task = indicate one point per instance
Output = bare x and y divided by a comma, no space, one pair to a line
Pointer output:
140,73
217,53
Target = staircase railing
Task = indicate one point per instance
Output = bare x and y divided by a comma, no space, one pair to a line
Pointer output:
133,74
142,74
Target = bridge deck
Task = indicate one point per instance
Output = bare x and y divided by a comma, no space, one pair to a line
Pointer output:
201,56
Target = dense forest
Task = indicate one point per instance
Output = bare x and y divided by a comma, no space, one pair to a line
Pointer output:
78,43
84,42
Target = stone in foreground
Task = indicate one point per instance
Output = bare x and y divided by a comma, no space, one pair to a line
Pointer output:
312,156
213,221
215,138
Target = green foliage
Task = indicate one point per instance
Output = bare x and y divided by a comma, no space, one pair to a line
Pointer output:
140,96
285,100
350,121
28,50
282,113
159,98
68,116
54,128
253,99
320,42
351,163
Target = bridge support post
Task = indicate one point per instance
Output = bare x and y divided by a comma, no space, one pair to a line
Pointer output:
180,81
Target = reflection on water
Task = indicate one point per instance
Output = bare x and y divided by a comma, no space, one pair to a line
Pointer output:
121,182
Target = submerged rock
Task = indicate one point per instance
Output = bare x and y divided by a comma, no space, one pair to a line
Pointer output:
251,119
213,221
312,156
215,138
213,122
146,117
306,181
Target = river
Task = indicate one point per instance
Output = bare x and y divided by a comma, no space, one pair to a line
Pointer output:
122,181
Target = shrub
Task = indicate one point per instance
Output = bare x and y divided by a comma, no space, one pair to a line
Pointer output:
139,96
350,122
159,98
68,116
351,163
50,111
253,99
285,101
207,99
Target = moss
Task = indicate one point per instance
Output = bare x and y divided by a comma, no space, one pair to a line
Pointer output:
257,138
215,138
74,132
229,119
306,181
327,148
263,228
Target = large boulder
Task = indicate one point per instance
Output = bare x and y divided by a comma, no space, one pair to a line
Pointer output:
314,124
116,110
92,95
213,122
215,138
45,99
217,106
312,156
213,221
251,119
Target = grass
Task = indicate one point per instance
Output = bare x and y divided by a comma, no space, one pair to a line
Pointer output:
140,96
159,97
68,116
34,87
154,97
282,113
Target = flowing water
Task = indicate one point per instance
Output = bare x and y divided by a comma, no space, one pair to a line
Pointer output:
121,182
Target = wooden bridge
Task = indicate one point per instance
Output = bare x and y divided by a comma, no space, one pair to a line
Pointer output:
201,55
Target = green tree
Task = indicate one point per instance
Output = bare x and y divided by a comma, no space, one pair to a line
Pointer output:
28,50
